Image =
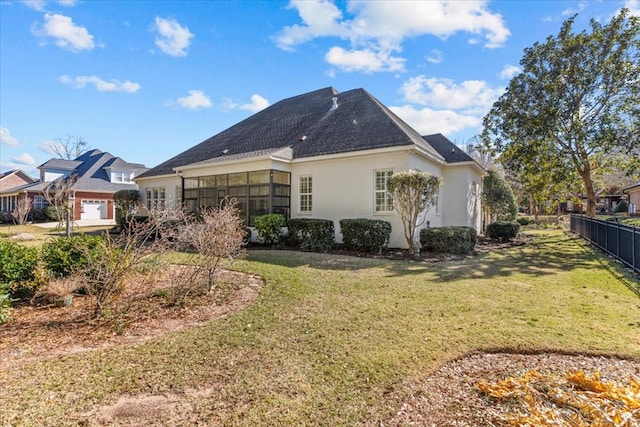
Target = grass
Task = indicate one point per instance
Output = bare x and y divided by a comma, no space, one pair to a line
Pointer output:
41,235
332,340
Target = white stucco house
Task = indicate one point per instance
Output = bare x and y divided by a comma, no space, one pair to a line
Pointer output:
322,154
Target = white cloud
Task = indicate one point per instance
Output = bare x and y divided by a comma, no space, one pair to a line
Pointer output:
378,28
67,35
196,99
470,96
101,85
257,103
572,11
435,56
7,139
320,18
633,6
365,60
39,5
24,159
428,121
35,4
510,71
173,39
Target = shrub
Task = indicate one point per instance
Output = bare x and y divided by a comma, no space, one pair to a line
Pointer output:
65,255
269,228
621,207
455,240
17,269
523,220
50,212
366,235
503,230
311,234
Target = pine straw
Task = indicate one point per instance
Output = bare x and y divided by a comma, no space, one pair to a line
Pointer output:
450,396
46,331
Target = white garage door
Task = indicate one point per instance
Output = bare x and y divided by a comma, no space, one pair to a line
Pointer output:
93,209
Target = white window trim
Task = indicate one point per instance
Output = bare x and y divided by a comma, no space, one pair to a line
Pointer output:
376,191
300,194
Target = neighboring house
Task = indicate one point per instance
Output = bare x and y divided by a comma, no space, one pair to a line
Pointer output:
323,155
634,197
98,176
8,181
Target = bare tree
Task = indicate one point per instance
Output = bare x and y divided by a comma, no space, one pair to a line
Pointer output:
213,235
58,193
68,147
127,259
22,210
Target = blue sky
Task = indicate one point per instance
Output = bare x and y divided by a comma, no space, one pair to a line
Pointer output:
145,80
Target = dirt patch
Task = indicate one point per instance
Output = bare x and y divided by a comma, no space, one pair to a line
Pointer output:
449,396
46,331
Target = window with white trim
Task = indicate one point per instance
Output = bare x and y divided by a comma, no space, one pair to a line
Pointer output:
306,194
155,197
382,197
39,202
121,177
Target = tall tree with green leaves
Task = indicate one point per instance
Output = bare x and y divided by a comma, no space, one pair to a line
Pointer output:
498,201
576,100
414,193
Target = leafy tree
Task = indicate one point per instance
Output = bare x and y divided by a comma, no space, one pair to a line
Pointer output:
69,147
414,193
497,198
127,200
576,100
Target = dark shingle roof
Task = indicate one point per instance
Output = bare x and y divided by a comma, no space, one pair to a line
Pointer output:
61,164
447,149
308,125
90,171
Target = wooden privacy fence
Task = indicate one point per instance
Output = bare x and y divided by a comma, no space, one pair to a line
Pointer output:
620,240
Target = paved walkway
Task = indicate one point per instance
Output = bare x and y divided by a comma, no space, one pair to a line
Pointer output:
79,223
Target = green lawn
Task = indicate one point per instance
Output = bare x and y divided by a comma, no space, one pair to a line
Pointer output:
40,234
332,340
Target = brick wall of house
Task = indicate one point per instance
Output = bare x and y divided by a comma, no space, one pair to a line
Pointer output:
634,198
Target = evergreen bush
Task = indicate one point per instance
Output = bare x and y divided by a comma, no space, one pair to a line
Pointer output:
269,228
455,240
17,270
311,234
65,255
503,230
365,235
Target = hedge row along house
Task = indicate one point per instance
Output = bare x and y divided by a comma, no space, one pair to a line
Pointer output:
322,154
97,176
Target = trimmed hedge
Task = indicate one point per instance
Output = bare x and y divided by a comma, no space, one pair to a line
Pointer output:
365,235
455,240
503,230
311,234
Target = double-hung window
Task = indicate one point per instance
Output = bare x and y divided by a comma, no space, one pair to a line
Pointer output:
383,199
156,198
306,194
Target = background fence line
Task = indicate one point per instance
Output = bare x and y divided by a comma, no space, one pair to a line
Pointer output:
619,240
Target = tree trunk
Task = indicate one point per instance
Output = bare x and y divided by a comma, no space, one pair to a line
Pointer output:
533,208
591,194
